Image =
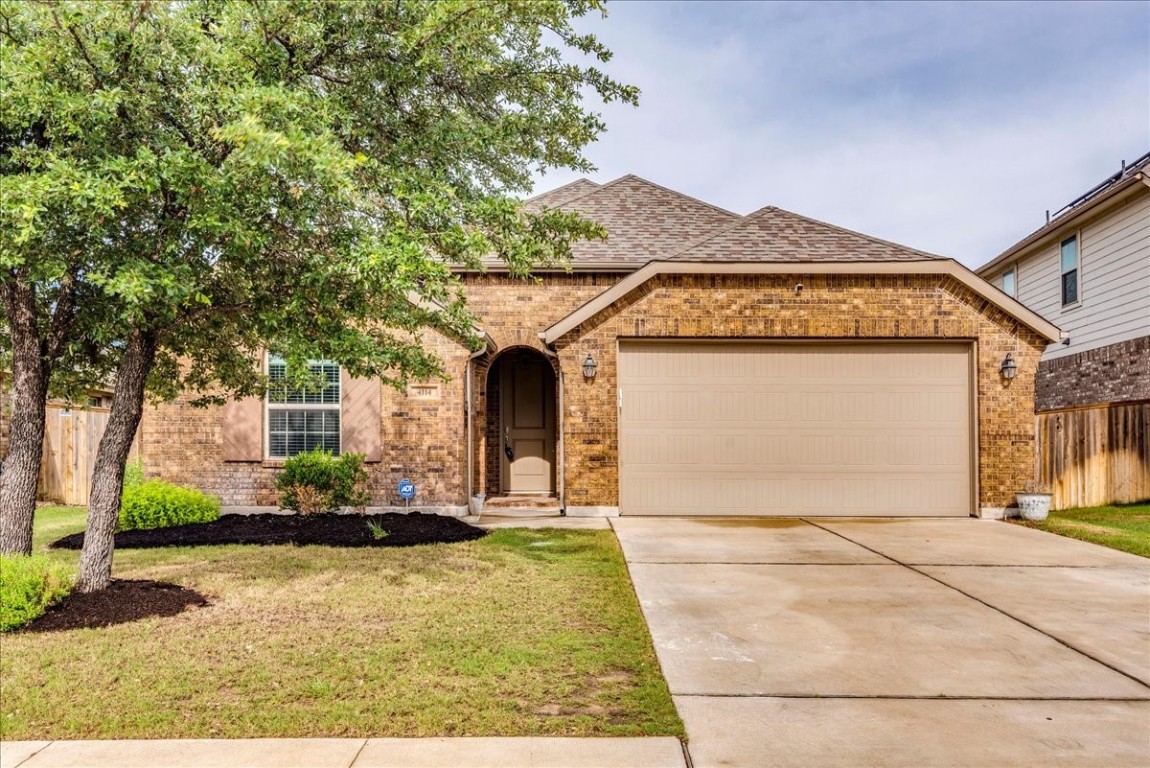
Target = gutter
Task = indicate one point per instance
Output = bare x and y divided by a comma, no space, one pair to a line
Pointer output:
574,266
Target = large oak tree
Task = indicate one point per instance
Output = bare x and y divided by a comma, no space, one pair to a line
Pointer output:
187,183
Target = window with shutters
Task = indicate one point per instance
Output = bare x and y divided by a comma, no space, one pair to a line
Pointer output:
300,419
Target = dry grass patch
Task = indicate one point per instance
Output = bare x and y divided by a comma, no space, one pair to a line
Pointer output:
521,633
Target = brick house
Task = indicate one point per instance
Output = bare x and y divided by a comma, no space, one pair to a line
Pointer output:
695,362
1088,270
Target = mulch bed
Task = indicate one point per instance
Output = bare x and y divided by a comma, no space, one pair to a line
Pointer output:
123,601
329,530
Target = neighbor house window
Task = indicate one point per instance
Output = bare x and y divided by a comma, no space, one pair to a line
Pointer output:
302,418
1010,282
1070,270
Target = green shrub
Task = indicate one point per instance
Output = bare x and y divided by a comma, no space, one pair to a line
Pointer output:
316,481
159,504
133,473
28,586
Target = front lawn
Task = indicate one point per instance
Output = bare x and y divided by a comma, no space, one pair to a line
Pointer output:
523,632
1125,527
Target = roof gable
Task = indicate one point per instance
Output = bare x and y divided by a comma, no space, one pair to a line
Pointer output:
929,266
644,221
774,235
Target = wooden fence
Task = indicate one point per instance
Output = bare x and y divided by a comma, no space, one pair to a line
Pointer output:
1095,455
71,437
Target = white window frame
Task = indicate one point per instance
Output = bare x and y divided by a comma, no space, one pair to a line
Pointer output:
1077,238
270,407
1013,272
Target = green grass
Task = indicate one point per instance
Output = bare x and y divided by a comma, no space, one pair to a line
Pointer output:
1124,527
522,633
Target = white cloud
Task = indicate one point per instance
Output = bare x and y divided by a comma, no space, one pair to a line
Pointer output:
949,128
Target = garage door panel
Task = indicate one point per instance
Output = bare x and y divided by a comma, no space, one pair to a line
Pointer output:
712,428
790,494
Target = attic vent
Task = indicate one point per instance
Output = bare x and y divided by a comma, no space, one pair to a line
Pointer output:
423,391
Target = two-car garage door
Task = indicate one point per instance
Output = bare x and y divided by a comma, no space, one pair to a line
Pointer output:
714,428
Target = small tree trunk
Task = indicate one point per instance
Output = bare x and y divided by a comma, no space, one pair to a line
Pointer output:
111,456
21,473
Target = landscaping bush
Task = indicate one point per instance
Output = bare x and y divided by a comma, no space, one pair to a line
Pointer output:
317,481
28,586
159,504
133,473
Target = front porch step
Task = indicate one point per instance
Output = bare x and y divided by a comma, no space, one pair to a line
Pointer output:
525,505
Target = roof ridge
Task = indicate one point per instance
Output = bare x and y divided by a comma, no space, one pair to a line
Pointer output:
722,230
871,238
675,192
581,179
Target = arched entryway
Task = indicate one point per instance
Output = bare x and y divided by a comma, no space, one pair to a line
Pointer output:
521,447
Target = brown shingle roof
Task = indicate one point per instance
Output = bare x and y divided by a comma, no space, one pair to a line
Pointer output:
772,234
560,195
647,222
644,221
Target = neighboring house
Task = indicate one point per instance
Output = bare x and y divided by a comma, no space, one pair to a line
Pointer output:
695,362
1088,271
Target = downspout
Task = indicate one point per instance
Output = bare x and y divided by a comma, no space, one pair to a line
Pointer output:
559,441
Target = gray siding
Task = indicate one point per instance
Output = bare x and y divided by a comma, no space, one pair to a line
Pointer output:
1113,281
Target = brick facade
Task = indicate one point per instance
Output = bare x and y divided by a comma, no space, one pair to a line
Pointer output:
421,436
830,307
1116,373
425,439
513,311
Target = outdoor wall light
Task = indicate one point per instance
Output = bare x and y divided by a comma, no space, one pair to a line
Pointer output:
1009,367
589,367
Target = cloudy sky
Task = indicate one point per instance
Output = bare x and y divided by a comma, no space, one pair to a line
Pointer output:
947,127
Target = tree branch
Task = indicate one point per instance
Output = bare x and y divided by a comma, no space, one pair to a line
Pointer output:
202,312
445,26
83,48
63,316
126,54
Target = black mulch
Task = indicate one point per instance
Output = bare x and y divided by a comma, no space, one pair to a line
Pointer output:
123,601
330,530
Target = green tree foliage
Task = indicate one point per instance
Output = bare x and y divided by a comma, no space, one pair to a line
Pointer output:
210,178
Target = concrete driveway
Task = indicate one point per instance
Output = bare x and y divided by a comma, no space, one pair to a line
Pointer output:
896,642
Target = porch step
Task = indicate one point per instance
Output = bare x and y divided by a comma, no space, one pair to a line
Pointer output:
521,505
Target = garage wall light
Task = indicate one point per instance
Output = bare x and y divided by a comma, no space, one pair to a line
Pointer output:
589,367
1009,367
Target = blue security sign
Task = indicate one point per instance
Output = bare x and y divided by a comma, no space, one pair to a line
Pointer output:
406,489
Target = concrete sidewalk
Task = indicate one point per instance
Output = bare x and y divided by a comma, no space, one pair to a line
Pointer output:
349,753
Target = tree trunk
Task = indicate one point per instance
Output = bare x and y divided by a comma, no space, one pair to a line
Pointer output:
21,472
111,456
